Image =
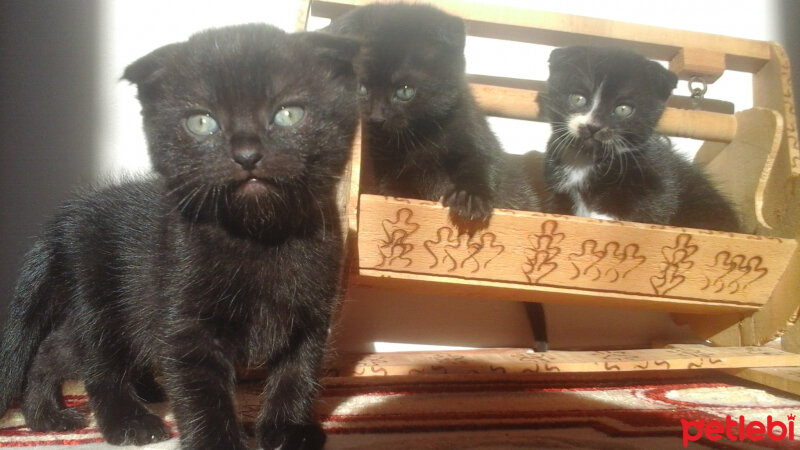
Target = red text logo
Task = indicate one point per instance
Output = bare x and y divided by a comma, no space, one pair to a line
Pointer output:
755,431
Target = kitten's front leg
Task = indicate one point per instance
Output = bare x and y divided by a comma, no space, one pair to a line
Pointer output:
559,203
471,196
200,380
287,418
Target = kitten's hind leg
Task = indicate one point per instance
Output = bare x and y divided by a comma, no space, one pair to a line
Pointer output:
536,319
121,416
42,401
109,377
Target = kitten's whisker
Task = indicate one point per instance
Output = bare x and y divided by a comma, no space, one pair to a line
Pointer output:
184,203
200,206
216,200
561,141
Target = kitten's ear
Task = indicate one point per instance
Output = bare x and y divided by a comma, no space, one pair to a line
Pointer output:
561,56
453,34
151,67
664,81
338,48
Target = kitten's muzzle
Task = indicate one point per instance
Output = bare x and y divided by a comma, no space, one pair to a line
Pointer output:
588,130
598,133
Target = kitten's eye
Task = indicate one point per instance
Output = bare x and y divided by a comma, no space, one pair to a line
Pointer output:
202,124
623,111
288,116
362,90
405,93
577,100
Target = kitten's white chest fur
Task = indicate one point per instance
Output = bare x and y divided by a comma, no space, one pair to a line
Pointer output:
573,178
572,181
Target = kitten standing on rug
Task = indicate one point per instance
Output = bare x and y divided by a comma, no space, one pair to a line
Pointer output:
229,255
426,136
604,158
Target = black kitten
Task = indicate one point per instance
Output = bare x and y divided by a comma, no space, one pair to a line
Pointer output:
230,255
605,160
427,138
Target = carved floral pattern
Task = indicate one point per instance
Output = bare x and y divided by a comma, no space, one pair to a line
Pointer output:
541,255
677,261
610,263
733,273
394,247
460,251
553,256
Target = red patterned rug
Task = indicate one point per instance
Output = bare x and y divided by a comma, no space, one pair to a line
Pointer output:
512,413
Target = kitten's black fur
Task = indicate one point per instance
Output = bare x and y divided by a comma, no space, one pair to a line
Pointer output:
229,255
437,145
613,165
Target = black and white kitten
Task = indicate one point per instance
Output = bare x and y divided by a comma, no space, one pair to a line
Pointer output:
604,158
426,136
230,255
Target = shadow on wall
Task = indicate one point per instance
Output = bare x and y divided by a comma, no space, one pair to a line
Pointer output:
47,113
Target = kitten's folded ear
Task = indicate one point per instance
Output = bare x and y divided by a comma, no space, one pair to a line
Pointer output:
664,81
453,34
331,46
563,55
151,67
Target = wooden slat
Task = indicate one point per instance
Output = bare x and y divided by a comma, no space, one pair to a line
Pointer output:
698,62
739,169
777,314
503,291
302,14
521,104
520,361
772,88
675,101
416,237
554,29
790,340
707,126
786,379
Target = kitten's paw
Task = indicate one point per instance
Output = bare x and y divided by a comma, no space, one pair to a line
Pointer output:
467,205
137,430
55,420
292,437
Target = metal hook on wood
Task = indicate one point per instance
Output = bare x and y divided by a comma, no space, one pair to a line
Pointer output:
696,92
